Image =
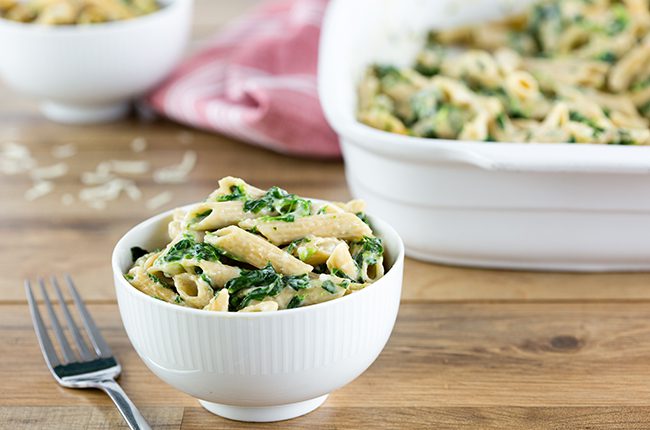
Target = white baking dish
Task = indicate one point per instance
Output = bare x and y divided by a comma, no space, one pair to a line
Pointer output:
535,206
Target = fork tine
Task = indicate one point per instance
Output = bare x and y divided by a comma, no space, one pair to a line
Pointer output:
41,332
101,348
68,354
81,344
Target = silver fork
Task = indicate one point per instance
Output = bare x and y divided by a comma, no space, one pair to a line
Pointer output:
91,368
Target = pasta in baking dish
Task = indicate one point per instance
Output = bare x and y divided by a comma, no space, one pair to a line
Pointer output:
575,71
249,250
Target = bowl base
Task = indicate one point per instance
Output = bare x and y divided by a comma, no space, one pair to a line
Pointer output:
83,114
265,413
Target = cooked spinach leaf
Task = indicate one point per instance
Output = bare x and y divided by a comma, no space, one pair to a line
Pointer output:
607,57
253,278
363,217
620,22
321,268
387,71
295,244
329,286
279,205
207,279
640,85
257,284
339,273
137,252
255,294
368,250
201,216
236,193
157,280
623,138
501,120
306,253
296,301
578,117
297,282
189,248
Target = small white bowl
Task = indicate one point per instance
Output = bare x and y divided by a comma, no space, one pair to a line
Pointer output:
261,367
89,73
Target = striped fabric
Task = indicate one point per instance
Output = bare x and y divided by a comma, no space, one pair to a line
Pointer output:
256,82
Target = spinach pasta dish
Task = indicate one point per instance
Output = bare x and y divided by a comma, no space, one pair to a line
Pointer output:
574,71
250,250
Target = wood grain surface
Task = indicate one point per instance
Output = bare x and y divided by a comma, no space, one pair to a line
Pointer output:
471,348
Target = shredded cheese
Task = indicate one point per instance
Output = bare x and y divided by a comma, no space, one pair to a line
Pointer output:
66,150
49,172
139,144
40,189
129,167
177,173
159,200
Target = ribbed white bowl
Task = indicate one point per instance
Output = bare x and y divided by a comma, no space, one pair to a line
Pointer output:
258,366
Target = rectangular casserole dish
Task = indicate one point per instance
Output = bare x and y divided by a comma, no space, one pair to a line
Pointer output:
508,205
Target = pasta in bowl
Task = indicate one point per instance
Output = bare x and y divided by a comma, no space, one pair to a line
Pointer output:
249,250
258,364
71,12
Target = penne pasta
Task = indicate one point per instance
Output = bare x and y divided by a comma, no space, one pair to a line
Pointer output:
340,262
570,71
339,225
313,250
194,291
218,303
254,250
224,253
215,215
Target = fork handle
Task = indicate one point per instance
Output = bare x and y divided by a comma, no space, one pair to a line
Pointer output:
127,408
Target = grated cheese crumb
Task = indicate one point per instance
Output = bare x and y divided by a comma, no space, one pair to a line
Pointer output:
105,192
66,150
67,199
40,189
178,173
129,167
97,204
15,158
139,144
159,200
49,172
133,191
95,178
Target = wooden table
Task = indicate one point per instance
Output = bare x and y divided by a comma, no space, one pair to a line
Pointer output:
485,349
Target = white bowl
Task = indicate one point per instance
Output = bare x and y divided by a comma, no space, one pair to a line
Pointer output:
88,73
537,206
258,366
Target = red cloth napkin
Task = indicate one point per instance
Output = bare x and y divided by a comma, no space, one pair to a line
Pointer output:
256,81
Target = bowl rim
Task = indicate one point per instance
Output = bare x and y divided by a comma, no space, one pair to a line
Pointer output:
169,7
121,282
